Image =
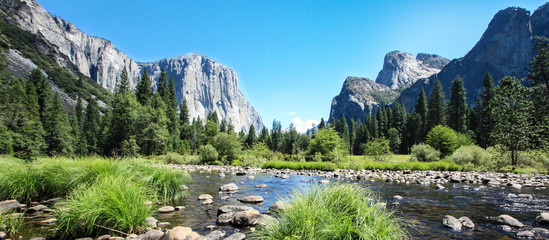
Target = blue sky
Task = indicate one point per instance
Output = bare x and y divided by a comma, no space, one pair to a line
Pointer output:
291,56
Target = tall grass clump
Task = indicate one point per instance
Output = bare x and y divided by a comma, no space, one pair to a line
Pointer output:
112,201
10,224
17,181
336,211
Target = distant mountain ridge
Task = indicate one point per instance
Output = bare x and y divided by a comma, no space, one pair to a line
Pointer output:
99,59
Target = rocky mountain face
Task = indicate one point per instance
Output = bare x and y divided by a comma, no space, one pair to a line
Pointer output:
505,49
401,69
207,86
359,98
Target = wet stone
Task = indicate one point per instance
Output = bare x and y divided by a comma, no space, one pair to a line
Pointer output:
236,236
508,220
452,222
228,187
527,234
166,209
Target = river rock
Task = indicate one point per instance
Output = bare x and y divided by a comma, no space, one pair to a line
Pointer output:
278,207
251,177
398,197
508,220
207,201
48,221
151,235
261,186
526,234
236,236
3,235
221,174
251,199
8,205
467,223
245,218
205,197
181,233
225,219
163,224
452,222
324,181
179,208
229,187
265,220
439,187
543,218
151,221
506,228
37,208
232,209
112,238
166,209
540,230
285,176
40,238
104,237
215,235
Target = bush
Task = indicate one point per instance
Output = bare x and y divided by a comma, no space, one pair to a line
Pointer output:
112,201
336,211
446,140
473,158
379,148
207,154
323,166
10,224
425,153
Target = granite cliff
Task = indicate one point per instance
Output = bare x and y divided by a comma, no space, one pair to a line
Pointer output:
401,69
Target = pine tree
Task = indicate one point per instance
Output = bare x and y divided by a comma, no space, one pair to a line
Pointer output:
121,127
540,64
399,117
485,122
43,91
457,110
421,109
413,132
251,139
162,84
435,107
264,136
143,89
123,83
539,74
91,127
276,136
58,130
322,124
362,136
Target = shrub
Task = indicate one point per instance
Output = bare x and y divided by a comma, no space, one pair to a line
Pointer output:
207,154
446,140
323,166
425,153
379,148
473,158
10,224
336,211
228,147
112,201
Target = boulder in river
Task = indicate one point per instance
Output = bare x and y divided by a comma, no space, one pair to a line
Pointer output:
232,209
508,220
525,234
229,187
543,218
245,218
215,235
177,233
452,222
236,236
151,222
151,235
278,207
166,209
8,205
467,223
204,197
251,199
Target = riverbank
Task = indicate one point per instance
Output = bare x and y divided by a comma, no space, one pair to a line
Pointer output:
426,178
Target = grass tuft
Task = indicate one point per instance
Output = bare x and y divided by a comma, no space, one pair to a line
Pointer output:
336,211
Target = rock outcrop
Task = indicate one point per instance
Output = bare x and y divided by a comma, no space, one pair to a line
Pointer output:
207,86
401,69
505,49
360,97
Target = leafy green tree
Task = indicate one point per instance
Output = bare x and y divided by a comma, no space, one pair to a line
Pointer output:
123,85
511,112
485,122
143,90
435,106
325,141
228,147
58,130
208,154
446,140
457,110
379,148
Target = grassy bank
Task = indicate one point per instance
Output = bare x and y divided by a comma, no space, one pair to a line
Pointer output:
106,192
336,211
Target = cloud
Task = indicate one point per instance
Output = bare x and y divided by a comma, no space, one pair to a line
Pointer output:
292,113
302,126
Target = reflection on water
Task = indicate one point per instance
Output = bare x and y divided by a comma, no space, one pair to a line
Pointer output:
423,205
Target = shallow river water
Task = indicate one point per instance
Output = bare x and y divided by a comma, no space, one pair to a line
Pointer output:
425,206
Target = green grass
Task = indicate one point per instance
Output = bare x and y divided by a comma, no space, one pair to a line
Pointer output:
10,224
112,201
336,211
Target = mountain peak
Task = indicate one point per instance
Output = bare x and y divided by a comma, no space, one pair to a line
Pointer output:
402,69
